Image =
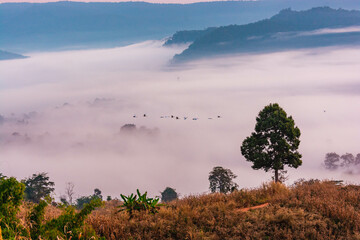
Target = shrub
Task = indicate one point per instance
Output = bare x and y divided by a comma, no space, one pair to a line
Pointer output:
81,201
139,202
168,195
69,225
11,196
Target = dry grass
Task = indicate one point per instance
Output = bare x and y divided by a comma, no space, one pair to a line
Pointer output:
310,210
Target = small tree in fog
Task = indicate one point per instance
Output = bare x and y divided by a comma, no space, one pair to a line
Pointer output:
357,159
97,193
221,180
168,195
347,160
274,143
331,161
128,128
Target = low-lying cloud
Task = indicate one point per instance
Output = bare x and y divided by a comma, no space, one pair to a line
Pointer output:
63,112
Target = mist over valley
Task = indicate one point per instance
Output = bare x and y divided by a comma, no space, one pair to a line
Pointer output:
67,108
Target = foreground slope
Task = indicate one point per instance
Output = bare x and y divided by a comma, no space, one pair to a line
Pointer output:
289,29
306,210
309,210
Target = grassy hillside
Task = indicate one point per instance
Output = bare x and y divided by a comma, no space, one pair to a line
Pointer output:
307,210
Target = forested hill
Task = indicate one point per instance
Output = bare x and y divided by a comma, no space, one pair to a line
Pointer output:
8,55
187,36
287,30
28,27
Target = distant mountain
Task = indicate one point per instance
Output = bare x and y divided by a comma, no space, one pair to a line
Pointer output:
8,55
288,29
187,36
73,25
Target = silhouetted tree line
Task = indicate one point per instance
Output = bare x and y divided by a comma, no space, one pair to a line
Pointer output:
334,161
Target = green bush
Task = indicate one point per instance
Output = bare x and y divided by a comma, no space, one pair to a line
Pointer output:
139,202
69,225
11,196
81,201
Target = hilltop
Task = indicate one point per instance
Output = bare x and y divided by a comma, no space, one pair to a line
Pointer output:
306,210
8,55
317,27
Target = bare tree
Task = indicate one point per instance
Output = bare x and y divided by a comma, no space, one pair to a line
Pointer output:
69,192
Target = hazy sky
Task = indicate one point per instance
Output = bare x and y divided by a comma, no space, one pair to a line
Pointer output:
63,113
152,1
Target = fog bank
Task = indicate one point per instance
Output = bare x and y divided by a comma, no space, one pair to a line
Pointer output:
62,113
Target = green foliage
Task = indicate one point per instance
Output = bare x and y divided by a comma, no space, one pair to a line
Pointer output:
81,201
38,186
221,180
11,196
36,218
168,195
69,225
139,202
274,143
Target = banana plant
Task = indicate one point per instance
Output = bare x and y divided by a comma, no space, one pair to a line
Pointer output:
139,202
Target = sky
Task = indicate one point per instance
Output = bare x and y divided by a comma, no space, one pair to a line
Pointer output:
152,1
63,113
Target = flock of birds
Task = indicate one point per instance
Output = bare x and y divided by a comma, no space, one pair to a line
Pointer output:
176,117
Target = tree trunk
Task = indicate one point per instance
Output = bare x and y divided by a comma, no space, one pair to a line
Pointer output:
276,175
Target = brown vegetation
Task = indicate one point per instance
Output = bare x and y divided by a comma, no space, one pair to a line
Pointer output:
307,210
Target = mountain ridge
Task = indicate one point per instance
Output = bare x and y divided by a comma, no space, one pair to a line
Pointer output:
264,34
26,27
4,55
